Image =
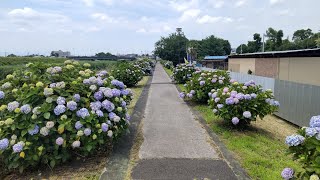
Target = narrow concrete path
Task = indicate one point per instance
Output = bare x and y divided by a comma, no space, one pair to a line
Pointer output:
175,144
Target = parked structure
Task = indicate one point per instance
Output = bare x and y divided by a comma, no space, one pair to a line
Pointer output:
301,66
215,62
60,53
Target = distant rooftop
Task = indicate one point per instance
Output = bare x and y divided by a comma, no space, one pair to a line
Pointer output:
273,54
215,58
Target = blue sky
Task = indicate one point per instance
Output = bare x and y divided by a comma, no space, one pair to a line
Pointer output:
127,26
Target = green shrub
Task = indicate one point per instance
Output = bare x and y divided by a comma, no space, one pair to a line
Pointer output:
240,103
202,82
128,73
305,148
145,65
50,113
183,72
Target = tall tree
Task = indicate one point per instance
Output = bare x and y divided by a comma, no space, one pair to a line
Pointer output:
214,46
243,48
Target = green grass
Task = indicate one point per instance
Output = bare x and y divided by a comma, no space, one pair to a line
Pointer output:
259,153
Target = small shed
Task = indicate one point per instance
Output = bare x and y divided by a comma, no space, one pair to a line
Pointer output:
215,62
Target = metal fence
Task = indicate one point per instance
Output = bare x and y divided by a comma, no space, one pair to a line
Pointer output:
298,102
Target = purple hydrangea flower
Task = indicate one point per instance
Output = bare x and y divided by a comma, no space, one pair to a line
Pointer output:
311,132
123,104
229,101
104,127
220,106
236,100
217,100
202,83
233,93
25,109
214,80
315,121
59,141
235,120
83,113
190,95
118,84
12,106
99,113
95,106
100,81
98,95
240,96
253,95
108,92
116,92
18,147
34,131
225,90
294,140
214,95
78,125
193,92
287,173
4,143
112,115
247,114
76,97
128,117
61,100
276,103
182,95
125,92
60,109
109,106
2,95
87,131
71,105
247,97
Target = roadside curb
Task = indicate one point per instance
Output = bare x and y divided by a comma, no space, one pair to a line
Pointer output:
118,162
231,161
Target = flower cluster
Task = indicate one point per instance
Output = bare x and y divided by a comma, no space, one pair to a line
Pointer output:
202,82
48,112
241,103
145,65
128,73
183,72
304,146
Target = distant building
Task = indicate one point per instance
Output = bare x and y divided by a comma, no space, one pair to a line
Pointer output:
215,62
301,66
60,53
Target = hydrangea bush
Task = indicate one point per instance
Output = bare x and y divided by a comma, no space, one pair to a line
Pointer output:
202,82
145,65
49,114
305,148
130,74
241,103
167,64
183,72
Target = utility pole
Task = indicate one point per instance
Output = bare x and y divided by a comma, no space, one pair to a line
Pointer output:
263,42
241,49
179,30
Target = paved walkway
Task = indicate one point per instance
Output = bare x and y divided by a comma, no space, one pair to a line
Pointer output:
175,144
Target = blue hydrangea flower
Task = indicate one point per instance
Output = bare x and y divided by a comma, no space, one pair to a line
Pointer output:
287,173
109,106
4,143
112,115
294,140
214,95
34,131
125,92
95,106
116,92
98,95
123,104
60,109
190,95
25,109
59,141
233,94
128,117
276,103
253,95
247,97
78,125
315,121
61,100
83,113
202,83
220,106
71,105
240,96
108,92
76,97
311,132
87,131
247,114
18,147
182,95
12,106
235,120
104,127
229,101
193,92
217,100
2,95
118,84
99,113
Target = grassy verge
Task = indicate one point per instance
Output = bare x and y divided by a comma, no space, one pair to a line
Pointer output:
85,168
259,152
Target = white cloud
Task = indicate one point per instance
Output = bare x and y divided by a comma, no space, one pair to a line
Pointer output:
240,3
107,2
88,3
285,12
213,19
183,5
273,2
216,3
103,17
142,30
189,14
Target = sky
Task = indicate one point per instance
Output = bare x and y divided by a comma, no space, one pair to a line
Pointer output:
85,27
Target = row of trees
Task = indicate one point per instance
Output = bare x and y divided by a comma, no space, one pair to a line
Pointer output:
301,39
174,47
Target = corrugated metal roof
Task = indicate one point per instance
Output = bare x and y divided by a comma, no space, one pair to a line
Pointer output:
215,57
290,53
